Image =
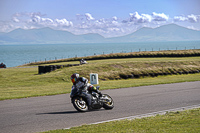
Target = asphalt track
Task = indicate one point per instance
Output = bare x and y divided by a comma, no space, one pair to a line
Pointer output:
56,112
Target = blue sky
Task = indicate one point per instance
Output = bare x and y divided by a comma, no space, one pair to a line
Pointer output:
107,17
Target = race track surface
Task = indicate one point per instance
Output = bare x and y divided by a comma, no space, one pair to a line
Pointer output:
56,112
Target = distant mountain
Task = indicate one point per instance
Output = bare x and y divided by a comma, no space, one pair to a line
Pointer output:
171,32
46,36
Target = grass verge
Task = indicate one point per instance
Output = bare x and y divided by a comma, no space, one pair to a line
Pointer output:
26,82
143,54
182,122
42,85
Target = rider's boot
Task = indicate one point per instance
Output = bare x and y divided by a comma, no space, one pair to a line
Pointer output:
89,102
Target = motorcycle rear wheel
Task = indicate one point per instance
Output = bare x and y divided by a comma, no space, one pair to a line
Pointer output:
108,102
80,104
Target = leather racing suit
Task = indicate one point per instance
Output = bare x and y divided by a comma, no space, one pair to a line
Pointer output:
86,88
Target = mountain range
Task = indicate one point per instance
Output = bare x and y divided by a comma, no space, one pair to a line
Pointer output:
171,32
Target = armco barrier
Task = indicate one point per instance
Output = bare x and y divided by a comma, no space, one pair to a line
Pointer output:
45,69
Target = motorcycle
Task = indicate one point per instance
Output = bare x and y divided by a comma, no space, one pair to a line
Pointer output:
80,103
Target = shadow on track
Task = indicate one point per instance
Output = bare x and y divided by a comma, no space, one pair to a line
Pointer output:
69,112
65,112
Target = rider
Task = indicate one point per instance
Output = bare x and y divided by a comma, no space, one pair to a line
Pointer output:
82,84
2,65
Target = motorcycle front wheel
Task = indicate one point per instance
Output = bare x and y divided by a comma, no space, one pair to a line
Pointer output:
80,104
108,102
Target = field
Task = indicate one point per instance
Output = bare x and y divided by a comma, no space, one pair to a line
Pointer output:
172,122
113,73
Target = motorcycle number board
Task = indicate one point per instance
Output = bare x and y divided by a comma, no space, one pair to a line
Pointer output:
94,78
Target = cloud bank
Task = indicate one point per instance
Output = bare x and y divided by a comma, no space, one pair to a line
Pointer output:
190,18
87,23
146,18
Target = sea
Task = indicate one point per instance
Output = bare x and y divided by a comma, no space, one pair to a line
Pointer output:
15,55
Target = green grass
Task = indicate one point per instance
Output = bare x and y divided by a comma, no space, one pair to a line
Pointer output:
26,82
143,54
173,122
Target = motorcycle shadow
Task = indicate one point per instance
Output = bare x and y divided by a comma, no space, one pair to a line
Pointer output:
64,112
68,112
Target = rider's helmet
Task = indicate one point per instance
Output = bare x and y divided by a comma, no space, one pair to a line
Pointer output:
74,77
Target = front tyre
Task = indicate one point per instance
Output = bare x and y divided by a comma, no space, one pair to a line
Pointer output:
108,102
80,104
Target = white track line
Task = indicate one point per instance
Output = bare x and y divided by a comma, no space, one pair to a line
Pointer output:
148,114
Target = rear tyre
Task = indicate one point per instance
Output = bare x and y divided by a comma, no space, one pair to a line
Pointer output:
108,102
80,104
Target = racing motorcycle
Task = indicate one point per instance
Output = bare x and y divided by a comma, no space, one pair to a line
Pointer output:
80,103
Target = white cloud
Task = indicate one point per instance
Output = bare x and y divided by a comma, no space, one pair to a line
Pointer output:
159,17
86,23
63,22
146,18
193,18
37,20
190,18
15,19
105,27
43,21
143,18
180,18
89,16
85,17
114,18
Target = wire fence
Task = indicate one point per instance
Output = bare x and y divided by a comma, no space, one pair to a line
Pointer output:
111,52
